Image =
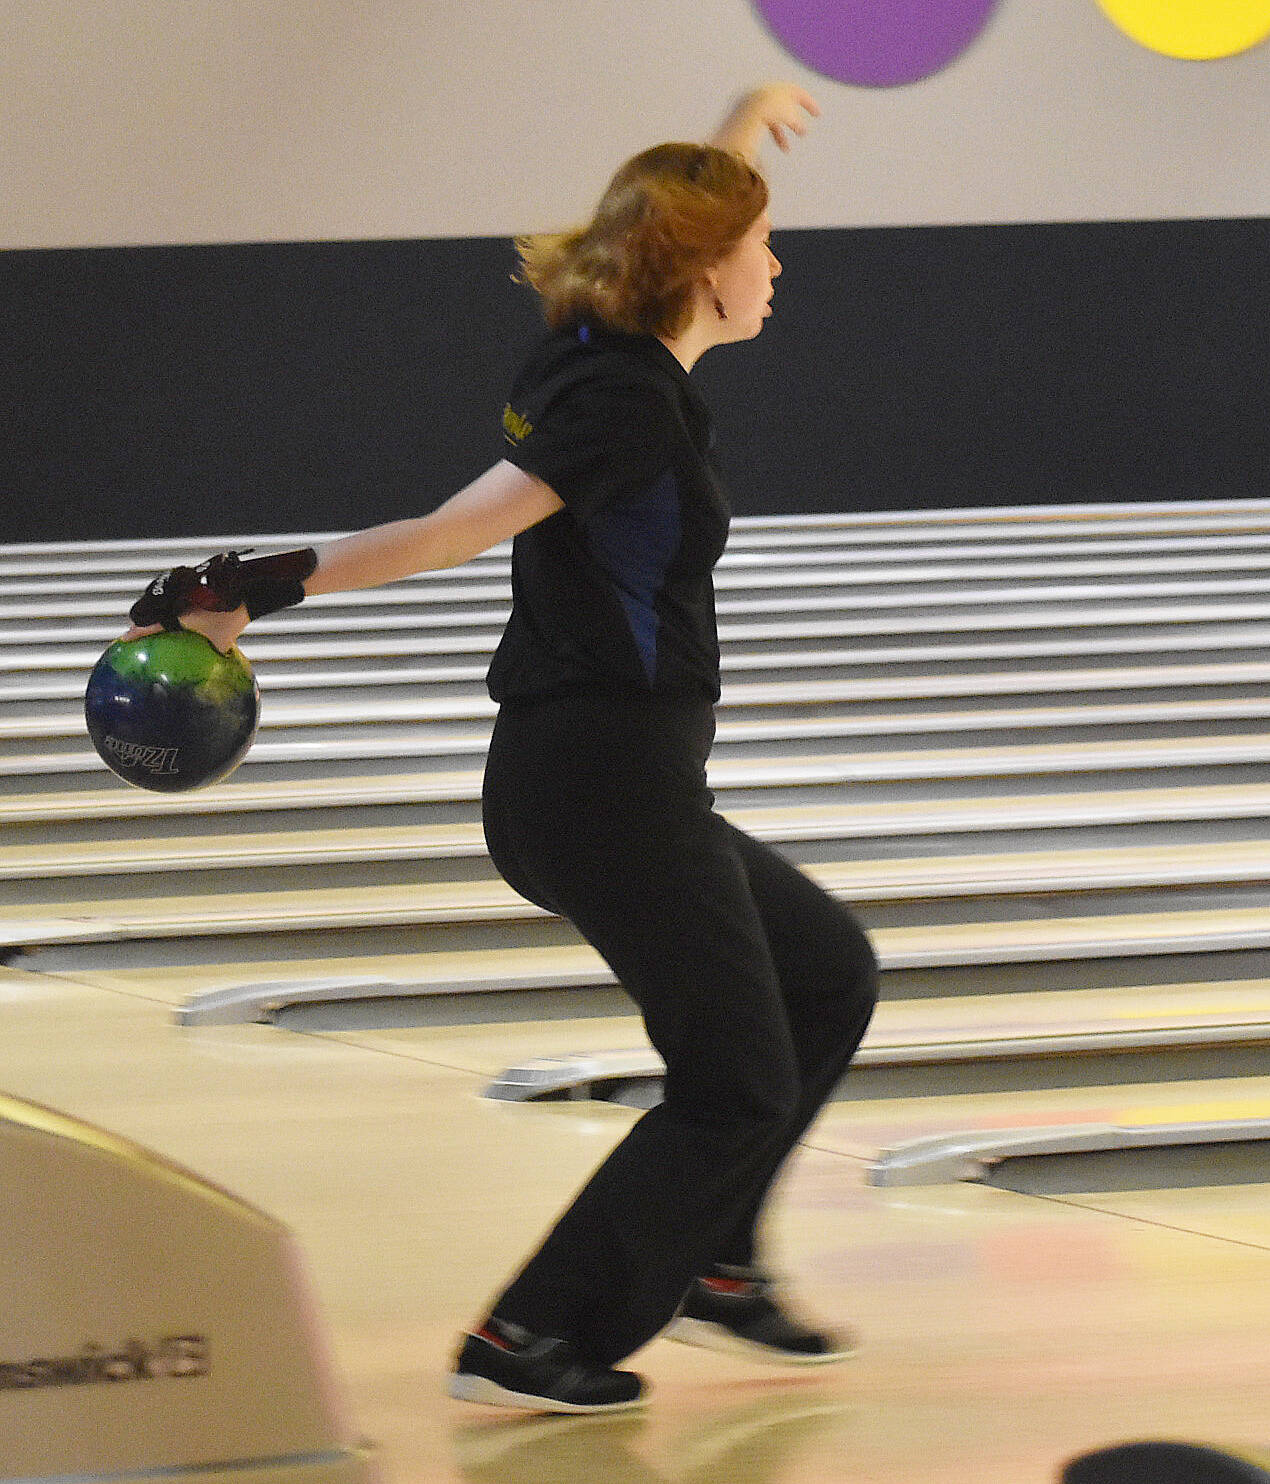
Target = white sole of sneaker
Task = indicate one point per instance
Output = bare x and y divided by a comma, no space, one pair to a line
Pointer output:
468,1388
707,1336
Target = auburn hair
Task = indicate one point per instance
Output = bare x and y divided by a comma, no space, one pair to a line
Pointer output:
668,215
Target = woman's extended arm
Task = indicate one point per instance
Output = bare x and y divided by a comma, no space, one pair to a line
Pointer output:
778,109
500,503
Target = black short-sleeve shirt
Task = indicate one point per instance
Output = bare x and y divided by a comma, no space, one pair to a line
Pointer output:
614,592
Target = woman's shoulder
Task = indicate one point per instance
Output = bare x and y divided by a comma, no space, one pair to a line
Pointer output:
598,401
581,367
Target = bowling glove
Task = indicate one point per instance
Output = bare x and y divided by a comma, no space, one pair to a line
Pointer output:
223,583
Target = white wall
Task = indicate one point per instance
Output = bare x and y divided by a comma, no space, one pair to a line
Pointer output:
166,121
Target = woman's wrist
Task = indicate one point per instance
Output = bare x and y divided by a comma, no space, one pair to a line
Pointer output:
742,129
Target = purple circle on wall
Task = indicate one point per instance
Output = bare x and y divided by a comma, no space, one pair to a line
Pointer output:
878,43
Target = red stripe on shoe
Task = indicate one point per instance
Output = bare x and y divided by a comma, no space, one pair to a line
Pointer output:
728,1285
496,1340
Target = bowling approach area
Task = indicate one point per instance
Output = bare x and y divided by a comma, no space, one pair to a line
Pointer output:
1030,745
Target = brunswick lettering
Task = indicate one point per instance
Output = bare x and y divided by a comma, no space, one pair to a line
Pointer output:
175,1357
141,755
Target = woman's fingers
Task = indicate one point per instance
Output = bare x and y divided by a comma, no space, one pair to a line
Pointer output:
806,101
221,629
780,109
785,109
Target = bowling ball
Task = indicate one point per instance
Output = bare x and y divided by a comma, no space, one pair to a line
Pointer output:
170,712
1162,1463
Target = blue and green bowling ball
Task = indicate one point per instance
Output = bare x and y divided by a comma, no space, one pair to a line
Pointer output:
170,712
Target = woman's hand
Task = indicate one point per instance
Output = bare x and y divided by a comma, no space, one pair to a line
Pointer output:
222,629
778,108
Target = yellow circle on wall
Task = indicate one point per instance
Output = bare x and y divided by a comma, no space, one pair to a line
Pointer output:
1197,30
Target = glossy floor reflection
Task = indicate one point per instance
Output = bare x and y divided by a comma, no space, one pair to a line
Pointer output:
1002,1333
759,1441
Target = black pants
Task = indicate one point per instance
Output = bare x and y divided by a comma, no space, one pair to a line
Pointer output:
755,986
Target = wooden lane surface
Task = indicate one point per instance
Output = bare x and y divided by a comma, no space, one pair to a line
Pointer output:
1002,1333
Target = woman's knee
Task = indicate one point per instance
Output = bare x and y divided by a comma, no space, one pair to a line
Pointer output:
751,1107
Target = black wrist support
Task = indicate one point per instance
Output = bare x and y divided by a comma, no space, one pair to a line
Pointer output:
223,583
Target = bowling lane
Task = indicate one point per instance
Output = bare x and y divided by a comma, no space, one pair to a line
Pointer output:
863,1129
1235,1213
1001,1332
1080,1323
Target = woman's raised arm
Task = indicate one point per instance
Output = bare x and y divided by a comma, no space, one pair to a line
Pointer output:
776,108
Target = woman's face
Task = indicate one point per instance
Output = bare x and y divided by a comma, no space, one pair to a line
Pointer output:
743,282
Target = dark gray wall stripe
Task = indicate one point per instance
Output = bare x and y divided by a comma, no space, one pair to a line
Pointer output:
169,391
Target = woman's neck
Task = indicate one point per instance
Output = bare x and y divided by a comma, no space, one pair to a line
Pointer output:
689,347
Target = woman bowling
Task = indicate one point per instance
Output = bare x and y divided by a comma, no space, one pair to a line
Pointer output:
755,986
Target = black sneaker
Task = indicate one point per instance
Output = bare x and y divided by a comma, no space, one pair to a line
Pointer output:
505,1366
743,1316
